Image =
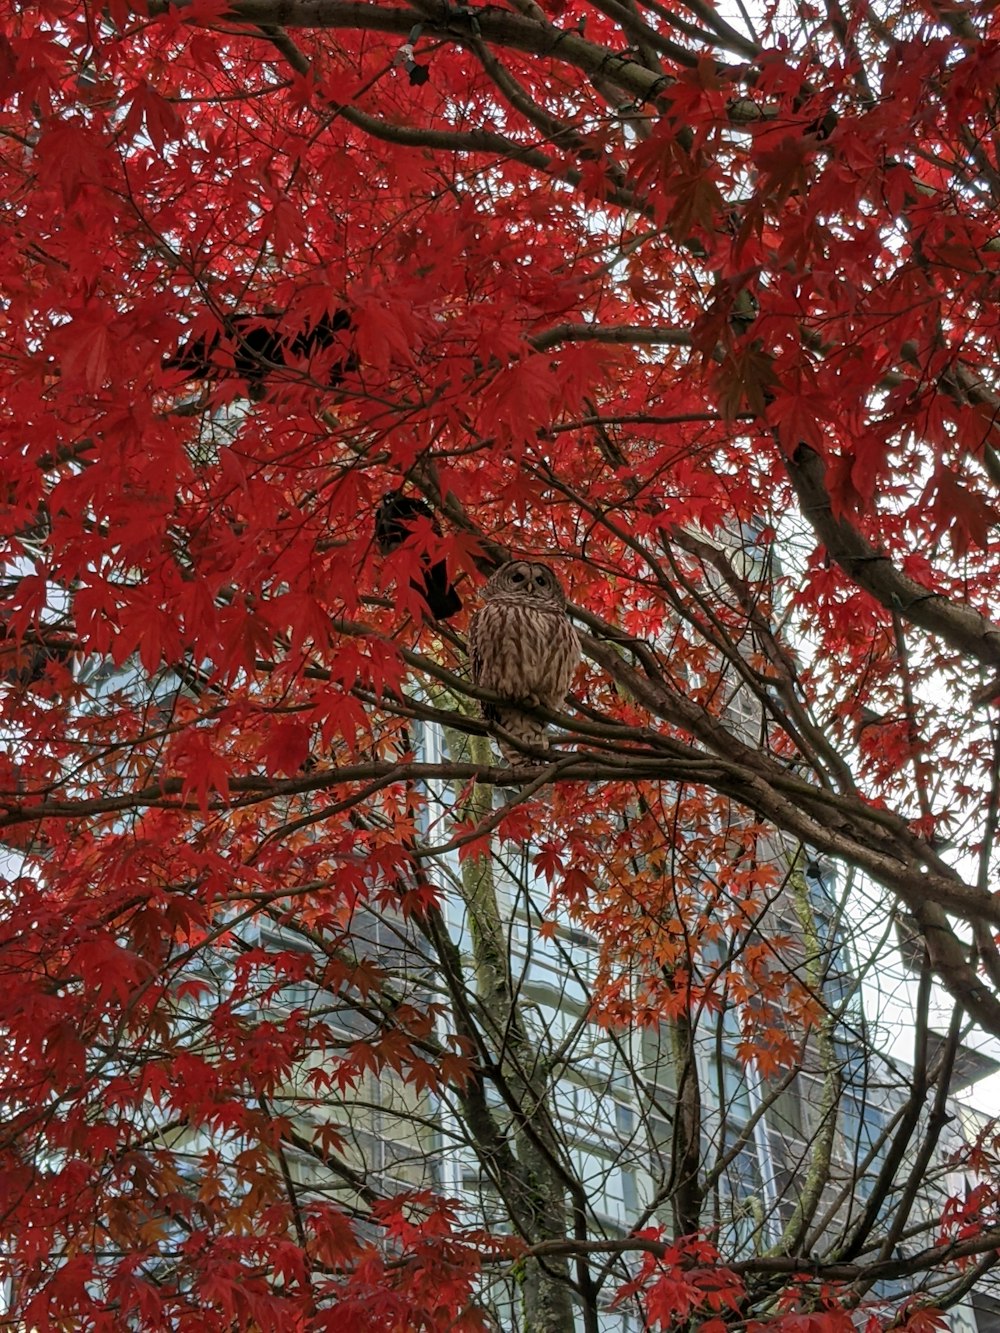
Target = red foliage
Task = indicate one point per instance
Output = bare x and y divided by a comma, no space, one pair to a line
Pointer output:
687,1282
631,299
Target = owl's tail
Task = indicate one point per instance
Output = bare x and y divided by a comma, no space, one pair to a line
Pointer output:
528,731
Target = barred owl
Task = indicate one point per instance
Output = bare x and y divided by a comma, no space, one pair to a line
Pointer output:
523,647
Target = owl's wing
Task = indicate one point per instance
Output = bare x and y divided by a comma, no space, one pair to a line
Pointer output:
475,646
478,650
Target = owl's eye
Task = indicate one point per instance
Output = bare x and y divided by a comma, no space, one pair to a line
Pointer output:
517,576
541,580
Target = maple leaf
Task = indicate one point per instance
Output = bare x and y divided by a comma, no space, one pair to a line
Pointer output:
150,110
967,517
797,418
745,378
680,309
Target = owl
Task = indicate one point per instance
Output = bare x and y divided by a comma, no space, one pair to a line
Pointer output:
523,647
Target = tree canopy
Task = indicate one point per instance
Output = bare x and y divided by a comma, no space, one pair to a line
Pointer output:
699,307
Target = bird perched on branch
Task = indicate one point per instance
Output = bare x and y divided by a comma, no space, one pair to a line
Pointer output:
397,519
252,347
523,647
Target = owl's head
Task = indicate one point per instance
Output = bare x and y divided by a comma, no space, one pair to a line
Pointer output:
527,579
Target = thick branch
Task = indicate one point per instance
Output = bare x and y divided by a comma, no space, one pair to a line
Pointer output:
496,26
924,1261
632,334
962,627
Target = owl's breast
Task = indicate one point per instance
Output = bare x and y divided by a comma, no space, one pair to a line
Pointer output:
521,649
